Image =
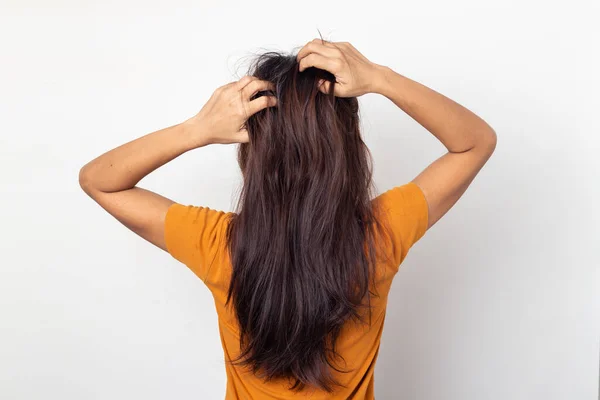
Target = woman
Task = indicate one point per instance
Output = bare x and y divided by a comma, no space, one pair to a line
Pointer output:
301,272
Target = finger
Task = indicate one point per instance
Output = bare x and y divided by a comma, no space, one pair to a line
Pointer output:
318,48
244,81
256,86
261,103
324,86
243,136
316,60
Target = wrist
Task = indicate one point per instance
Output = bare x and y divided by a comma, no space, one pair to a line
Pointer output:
195,133
380,79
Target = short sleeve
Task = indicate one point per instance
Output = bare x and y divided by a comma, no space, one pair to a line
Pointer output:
193,235
407,213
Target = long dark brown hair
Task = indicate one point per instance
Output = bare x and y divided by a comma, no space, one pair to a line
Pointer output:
302,243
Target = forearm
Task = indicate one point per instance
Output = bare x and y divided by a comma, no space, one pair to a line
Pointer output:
123,167
456,127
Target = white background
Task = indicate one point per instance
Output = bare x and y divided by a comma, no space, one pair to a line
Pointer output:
498,301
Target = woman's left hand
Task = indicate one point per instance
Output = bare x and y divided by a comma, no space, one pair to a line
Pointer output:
222,118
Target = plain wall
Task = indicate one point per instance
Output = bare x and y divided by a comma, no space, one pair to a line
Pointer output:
499,300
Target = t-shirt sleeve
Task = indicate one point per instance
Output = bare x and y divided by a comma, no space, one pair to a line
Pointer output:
407,213
193,235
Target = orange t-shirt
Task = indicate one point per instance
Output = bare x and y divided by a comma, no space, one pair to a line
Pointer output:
196,237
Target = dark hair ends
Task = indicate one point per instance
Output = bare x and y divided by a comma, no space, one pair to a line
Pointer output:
302,243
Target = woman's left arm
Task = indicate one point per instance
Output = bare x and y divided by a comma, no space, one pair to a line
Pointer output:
111,178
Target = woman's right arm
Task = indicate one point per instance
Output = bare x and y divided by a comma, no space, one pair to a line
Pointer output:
470,141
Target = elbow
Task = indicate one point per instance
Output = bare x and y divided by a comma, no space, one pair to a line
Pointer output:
488,141
84,180
492,140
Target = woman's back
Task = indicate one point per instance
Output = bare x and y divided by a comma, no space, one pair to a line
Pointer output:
196,236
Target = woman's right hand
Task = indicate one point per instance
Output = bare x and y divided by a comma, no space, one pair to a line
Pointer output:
355,75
